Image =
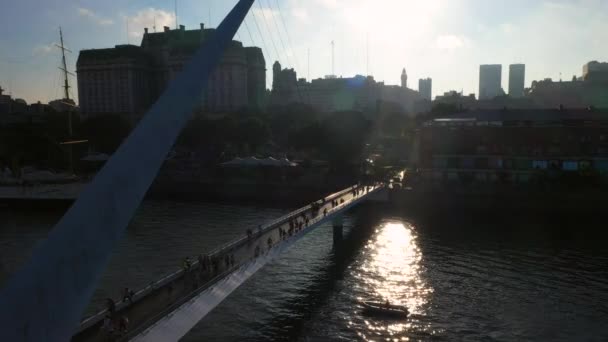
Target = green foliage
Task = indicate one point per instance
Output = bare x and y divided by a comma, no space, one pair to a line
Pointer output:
345,135
445,109
286,121
251,131
201,132
396,124
338,138
106,132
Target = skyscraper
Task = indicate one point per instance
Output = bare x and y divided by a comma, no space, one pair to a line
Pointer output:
490,78
425,88
517,77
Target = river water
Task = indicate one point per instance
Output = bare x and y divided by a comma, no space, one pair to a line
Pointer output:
462,279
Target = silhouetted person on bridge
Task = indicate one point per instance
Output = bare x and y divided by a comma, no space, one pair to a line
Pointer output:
269,241
257,251
201,263
107,329
325,212
127,295
207,260
187,264
111,306
249,234
216,265
123,325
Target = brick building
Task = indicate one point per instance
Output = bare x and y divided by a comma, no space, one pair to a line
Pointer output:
514,146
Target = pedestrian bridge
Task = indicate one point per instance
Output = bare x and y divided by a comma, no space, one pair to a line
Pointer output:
168,308
45,299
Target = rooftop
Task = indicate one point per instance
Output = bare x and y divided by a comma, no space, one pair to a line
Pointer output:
119,51
537,115
178,41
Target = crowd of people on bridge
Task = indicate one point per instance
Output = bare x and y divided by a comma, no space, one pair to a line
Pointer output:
208,266
116,325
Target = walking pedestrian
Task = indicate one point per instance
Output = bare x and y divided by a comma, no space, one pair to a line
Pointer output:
127,294
187,264
201,263
111,306
107,328
123,325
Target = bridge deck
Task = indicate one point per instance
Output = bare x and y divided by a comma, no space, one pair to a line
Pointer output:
163,296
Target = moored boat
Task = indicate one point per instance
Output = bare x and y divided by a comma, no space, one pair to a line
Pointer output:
384,309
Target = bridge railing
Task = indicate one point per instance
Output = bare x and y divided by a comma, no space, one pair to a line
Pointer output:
167,279
273,224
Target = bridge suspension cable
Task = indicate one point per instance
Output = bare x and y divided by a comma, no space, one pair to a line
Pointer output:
261,34
290,45
249,32
264,17
274,46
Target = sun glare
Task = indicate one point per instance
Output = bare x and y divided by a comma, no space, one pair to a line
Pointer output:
393,271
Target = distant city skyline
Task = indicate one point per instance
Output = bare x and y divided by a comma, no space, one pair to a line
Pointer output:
443,40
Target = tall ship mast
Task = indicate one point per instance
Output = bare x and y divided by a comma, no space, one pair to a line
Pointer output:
64,68
66,99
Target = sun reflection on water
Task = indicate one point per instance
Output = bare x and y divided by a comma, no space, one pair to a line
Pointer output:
392,270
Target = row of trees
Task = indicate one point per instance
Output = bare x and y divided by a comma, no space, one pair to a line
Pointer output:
337,137
40,143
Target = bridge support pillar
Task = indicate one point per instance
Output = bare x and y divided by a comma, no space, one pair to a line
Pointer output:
338,229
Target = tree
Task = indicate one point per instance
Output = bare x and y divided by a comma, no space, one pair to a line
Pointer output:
395,124
106,132
346,134
252,131
285,120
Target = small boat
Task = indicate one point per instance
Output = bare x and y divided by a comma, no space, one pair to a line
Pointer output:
384,309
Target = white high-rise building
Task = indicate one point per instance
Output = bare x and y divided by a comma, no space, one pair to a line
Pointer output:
517,77
490,79
425,88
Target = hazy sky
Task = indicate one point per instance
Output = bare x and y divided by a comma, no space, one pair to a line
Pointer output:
442,39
